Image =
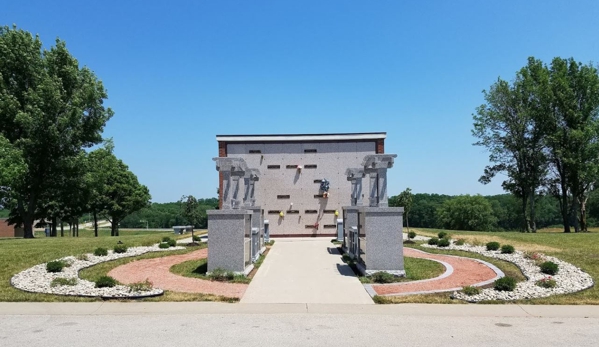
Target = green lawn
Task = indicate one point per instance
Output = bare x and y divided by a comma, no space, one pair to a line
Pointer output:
416,269
580,249
19,254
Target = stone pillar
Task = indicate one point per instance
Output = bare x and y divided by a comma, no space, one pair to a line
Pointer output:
230,229
376,165
350,213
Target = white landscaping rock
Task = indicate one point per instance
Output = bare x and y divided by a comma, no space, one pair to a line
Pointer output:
569,278
38,280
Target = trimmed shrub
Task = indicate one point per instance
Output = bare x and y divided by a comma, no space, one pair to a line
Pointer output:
507,249
460,242
196,238
105,282
492,246
55,266
382,277
411,235
505,284
444,242
61,281
83,257
549,268
546,283
433,241
120,249
221,275
101,252
470,290
172,243
442,234
163,245
166,239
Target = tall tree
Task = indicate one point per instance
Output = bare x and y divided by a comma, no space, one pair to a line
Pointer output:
116,192
190,211
571,126
50,109
506,125
467,212
404,199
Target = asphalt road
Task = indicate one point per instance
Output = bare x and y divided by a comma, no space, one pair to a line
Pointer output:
210,324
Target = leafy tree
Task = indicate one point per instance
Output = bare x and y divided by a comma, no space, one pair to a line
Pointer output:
190,211
571,127
115,191
404,199
506,126
424,208
467,212
50,109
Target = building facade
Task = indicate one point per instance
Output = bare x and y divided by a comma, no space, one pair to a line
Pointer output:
292,169
9,230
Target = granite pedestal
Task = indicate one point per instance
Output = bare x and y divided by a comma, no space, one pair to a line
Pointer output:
229,240
380,240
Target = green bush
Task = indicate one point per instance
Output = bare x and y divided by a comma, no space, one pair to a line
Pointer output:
546,283
433,241
196,238
105,282
83,257
221,275
61,281
460,242
163,245
549,268
166,239
443,242
470,290
506,284
442,234
382,277
101,252
411,235
507,249
172,243
120,248
492,246
55,266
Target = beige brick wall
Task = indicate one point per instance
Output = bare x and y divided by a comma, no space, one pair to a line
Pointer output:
331,160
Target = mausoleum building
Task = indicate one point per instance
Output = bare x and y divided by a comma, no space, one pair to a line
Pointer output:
303,182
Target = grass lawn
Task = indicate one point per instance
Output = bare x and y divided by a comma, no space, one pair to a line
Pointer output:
197,268
17,255
580,249
416,269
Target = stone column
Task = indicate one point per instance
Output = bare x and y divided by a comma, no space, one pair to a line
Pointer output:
232,169
376,165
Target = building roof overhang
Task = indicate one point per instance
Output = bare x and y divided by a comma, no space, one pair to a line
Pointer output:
302,137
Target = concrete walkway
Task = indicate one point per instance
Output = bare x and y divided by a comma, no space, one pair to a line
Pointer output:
305,270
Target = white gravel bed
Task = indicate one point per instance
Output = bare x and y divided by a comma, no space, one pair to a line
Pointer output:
417,238
37,280
569,278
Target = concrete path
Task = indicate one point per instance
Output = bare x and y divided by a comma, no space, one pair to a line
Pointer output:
305,270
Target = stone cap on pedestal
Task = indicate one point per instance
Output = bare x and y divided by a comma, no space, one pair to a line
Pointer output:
354,173
234,165
378,161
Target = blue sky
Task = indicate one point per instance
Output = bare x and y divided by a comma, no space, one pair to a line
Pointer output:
180,72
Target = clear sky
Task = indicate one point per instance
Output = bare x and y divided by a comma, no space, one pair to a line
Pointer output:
179,73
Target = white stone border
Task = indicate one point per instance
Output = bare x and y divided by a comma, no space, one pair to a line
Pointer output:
37,280
569,279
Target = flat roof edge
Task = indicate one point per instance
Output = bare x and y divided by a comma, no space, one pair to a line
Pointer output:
301,137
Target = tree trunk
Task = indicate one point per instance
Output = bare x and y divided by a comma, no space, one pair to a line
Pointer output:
583,214
27,220
564,208
95,224
533,214
114,229
526,225
407,223
61,227
54,231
